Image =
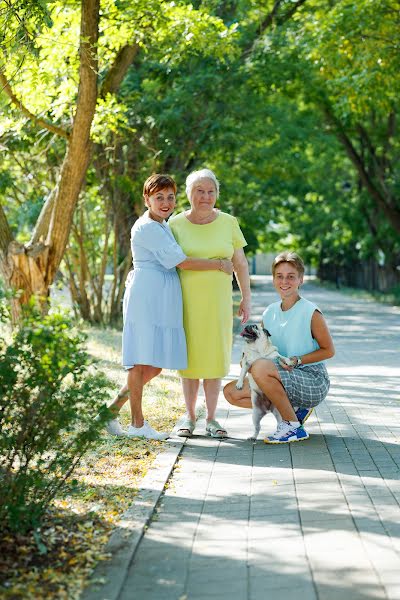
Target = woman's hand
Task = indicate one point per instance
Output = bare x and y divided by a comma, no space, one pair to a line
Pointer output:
244,309
226,266
241,269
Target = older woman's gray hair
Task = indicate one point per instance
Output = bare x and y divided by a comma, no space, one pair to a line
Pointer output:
193,178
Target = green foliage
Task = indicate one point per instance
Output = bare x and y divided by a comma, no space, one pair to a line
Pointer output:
51,410
337,65
20,22
209,88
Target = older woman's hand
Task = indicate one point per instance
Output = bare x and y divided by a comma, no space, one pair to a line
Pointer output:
226,266
244,309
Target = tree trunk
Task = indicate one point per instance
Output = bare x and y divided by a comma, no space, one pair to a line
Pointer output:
32,268
77,158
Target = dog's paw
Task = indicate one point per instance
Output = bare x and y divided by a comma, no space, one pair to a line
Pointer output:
287,361
252,438
239,385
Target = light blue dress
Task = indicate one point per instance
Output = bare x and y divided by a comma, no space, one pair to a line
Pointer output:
153,331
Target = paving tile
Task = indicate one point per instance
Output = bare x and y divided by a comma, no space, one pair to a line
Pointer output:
261,592
339,592
393,591
227,587
202,563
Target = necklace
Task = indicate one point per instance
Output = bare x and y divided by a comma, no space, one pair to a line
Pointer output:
284,308
198,220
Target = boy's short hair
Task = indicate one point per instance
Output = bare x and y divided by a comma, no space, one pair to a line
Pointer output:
157,182
289,257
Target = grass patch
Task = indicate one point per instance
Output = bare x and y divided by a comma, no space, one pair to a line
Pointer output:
55,561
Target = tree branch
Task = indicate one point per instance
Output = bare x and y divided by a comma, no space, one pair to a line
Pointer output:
279,20
42,226
391,213
271,18
378,163
123,60
391,131
6,237
37,120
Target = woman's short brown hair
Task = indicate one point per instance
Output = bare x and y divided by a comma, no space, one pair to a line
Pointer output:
157,182
289,257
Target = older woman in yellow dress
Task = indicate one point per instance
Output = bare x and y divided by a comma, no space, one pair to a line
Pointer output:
205,231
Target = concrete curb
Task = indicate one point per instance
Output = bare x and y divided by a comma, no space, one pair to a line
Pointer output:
109,576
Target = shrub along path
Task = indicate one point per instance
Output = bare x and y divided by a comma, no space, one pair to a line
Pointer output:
318,519
54,561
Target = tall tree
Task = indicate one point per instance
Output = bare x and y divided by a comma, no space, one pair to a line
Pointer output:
32,267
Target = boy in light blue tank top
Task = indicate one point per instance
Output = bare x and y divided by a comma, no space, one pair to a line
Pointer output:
299,331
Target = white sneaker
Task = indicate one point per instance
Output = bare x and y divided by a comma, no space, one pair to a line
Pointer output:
146,431
114,428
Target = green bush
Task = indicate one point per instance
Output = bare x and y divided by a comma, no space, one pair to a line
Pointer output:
51,410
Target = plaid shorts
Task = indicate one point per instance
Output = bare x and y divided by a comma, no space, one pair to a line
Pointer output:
306,385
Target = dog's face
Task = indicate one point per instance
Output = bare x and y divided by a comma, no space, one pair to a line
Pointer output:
257,338
253,332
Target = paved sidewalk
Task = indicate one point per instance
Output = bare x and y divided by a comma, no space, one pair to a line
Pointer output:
318,520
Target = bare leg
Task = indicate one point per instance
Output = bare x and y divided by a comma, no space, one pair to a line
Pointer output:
123,395
119,400
267,378
241,398
138,376
190,391
211,389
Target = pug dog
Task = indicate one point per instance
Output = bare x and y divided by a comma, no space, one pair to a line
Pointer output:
258,345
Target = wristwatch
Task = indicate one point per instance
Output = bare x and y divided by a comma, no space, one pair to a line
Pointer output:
299,361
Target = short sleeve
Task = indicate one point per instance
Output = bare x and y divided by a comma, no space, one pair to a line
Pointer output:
161,243
238,238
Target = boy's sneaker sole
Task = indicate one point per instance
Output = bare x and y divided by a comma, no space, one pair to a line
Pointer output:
303,414
300,436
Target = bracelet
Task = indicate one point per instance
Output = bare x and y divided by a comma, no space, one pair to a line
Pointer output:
220,265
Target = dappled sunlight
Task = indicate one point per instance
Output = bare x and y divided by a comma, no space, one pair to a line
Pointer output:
211,543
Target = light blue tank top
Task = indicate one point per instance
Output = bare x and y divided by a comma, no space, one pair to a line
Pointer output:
291,329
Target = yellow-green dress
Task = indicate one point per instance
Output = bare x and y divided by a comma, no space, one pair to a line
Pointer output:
207,295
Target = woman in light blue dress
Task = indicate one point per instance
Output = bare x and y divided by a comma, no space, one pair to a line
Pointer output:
153,336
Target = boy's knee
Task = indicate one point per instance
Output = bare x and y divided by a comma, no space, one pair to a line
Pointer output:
258,369
262,369
227,391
